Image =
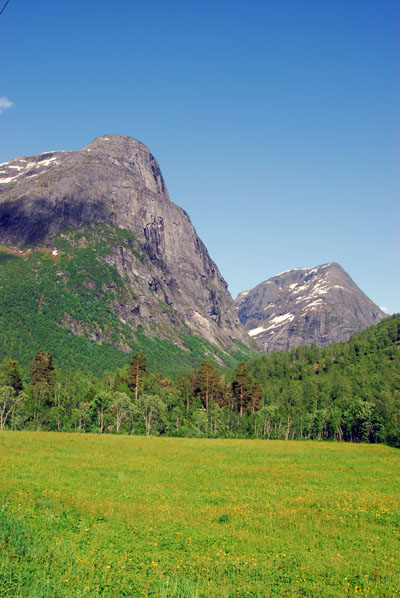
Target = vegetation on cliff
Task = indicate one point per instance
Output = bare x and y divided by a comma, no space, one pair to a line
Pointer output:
73,301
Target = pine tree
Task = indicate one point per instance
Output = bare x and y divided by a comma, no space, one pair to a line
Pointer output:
256,394
137,369
242,387
42,369
10,374
43,379
207,381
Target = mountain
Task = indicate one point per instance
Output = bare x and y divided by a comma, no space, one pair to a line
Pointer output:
306,306
94,248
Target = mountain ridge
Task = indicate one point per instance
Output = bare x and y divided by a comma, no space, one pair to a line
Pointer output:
320,305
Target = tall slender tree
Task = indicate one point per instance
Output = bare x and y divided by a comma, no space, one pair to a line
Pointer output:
242,386
207,381
137,369
43,379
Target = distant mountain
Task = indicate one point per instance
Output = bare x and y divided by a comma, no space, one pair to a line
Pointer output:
95,250
306,306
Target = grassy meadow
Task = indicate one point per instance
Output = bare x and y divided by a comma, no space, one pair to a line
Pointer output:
91,515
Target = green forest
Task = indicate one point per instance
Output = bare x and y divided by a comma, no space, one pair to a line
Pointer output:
344,392
65,304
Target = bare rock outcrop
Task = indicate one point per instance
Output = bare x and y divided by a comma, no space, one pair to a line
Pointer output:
306,306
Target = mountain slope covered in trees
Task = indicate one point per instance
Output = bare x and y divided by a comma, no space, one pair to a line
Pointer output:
70,301
346,392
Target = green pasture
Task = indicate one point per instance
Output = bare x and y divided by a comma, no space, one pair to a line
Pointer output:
103,515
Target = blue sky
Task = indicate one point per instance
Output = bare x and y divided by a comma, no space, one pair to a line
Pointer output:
275,123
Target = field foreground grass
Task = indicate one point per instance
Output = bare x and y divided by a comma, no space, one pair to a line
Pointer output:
90,515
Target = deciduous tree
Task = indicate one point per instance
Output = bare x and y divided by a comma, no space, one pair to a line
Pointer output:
151,408
9,401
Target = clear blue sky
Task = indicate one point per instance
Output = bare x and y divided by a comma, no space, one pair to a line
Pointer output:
275,123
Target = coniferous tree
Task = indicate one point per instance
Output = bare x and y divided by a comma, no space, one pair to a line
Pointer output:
42,369
256,395
242,387
207,380
137,369
43,379
10,374
185,387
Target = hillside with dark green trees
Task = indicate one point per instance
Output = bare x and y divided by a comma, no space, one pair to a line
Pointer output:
66,300
348,391
345,392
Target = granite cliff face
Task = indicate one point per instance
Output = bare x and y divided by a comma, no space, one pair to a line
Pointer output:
114,180
171,285
306,306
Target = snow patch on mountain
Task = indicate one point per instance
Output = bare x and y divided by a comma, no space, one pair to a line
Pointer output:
319,305
256,331
24,167
279,319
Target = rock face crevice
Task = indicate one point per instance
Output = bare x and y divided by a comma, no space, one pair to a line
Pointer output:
306,306
116,181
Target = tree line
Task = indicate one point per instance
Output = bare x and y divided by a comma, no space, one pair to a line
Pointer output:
344,392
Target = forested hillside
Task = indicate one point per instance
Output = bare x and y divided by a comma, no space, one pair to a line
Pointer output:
73,301
349,392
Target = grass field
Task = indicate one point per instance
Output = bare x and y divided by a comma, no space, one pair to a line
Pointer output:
90,515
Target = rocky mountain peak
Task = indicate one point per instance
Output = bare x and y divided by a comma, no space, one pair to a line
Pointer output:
133,154
110,181
173,285
320,306
117,145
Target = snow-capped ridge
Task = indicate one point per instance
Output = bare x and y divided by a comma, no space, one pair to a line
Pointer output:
25,168
318,305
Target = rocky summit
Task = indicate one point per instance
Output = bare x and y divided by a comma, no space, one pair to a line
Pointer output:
306,306
157,278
